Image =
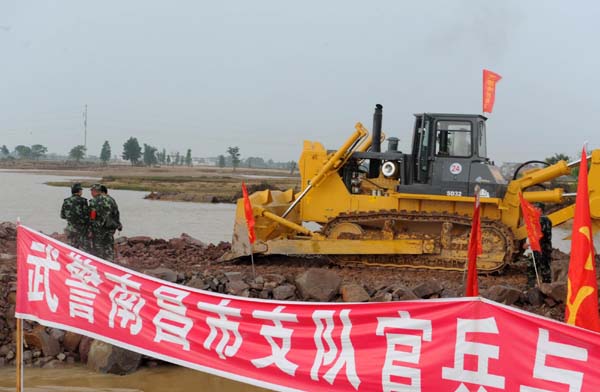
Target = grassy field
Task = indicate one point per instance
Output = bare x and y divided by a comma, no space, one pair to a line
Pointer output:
195,184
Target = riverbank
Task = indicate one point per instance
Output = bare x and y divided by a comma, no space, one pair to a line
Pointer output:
173,183
201,189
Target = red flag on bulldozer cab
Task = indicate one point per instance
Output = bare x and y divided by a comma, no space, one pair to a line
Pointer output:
249,214
489,89
531,216
475,249
582,287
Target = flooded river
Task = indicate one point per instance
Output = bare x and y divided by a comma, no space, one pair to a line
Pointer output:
24,195
160,379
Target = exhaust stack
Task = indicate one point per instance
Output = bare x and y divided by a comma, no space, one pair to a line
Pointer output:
374,164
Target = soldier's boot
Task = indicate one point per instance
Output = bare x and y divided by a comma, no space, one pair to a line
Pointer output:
546,274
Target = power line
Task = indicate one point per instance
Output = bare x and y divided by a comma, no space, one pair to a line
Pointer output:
85,127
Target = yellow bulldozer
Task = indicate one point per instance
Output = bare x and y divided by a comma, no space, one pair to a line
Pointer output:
359,204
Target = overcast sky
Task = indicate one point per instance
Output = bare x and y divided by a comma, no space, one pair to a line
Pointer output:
265,75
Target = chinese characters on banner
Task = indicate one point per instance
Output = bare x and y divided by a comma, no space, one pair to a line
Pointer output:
458,345
489,89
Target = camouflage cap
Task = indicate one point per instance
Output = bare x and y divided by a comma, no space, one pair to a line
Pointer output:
76,188
96,187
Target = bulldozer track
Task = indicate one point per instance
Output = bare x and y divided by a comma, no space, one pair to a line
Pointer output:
424,261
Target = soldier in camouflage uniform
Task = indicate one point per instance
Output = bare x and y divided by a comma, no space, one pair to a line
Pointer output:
116,215
102,224
545,256
543,259
76,211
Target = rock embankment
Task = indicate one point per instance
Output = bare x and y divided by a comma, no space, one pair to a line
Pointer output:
185,260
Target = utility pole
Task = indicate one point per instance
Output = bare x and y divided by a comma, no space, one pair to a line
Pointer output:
85,127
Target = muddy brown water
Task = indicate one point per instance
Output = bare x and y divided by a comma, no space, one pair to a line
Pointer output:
160,379
24,195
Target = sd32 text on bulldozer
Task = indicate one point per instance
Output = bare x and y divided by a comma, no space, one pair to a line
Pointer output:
411,210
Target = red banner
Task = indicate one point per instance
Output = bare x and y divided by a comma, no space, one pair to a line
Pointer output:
582,291
489,89
461,344
531,216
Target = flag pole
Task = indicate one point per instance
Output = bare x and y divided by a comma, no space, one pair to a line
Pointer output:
467,270
537,276
19,357
252,260
19,343
477,189
249,225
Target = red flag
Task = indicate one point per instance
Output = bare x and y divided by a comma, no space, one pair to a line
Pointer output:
489,89
531,216
475,249
582,287
249,214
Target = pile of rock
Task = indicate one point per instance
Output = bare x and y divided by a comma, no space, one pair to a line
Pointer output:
8,288
181,254
8,234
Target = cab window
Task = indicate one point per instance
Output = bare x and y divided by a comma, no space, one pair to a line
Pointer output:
453,138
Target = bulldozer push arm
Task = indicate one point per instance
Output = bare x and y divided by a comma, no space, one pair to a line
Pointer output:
279,219
510,204
333,163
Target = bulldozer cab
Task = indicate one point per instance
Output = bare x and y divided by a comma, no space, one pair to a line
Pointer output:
449,156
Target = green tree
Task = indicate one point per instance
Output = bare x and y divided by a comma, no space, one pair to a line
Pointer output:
38,151
188,158
105,152
77,153
221,161
234,154
4,150
150,155
168,159
557,157
255,162
176,160
292,166
23,152
162,156
132,151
